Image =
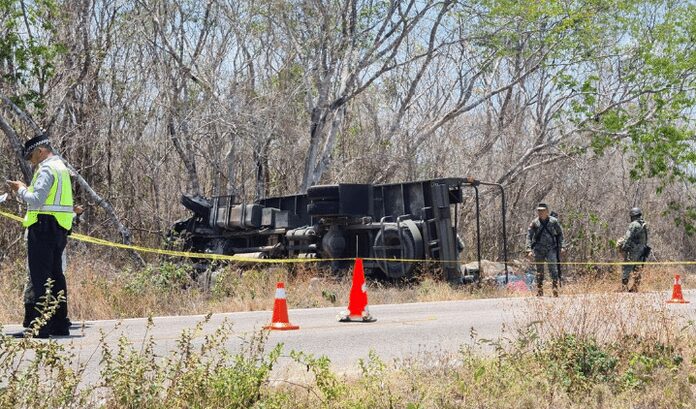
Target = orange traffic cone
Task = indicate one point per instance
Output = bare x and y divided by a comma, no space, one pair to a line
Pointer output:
280,311
357,305
677,297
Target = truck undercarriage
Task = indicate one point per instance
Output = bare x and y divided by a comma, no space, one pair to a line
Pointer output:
394,227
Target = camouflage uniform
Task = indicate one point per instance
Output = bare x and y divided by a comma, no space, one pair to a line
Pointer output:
544,238
632,244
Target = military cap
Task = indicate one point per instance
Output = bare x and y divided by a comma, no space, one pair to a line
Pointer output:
33,143
542,206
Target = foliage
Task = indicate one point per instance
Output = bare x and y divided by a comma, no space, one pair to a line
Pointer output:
29,49
578,364
327,382
684,216
653,47
192,376
643,358
553,99
165,277
38,374
524,371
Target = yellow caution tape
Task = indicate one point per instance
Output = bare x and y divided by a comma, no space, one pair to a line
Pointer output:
236,258
11,216
185,254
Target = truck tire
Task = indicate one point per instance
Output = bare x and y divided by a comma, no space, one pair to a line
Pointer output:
323,192
327,208
389,236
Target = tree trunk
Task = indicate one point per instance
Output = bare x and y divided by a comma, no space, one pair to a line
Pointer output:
9,131
17,147
104,204
314,139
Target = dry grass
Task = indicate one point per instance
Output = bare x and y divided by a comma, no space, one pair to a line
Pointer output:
608,317
654,278
101,289
602,350
597,350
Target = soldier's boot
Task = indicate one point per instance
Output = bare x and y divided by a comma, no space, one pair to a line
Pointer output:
540,283
636,283
59,324
624,286
30,314
554,286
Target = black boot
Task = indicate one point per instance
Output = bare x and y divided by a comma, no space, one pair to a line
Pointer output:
624,286
636,283
29,314
59,325
554,286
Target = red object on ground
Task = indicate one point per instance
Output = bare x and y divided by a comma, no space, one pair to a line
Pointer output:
519,286
280,311
357,304
677,297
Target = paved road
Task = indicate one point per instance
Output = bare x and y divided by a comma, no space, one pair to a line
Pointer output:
401,331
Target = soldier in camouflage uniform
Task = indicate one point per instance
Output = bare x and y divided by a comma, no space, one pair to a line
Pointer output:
634,246
544,243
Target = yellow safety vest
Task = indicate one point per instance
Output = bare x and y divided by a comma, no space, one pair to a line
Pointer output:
59,202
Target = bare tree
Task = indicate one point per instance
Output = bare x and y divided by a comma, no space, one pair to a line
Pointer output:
341,64
122,229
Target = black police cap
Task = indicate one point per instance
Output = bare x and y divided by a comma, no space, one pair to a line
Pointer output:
33,143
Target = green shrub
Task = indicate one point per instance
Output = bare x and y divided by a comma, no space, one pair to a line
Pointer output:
227,283
524,371
577,363
166,276
39,374
643,358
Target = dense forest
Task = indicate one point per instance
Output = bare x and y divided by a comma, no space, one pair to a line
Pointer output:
587,105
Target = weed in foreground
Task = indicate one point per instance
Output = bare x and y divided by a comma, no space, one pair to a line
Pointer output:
523,370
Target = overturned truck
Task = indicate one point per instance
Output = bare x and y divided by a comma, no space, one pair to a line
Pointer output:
392,226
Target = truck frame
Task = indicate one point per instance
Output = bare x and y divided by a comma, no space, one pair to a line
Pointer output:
392,226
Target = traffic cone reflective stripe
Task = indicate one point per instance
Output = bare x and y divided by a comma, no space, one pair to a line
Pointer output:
357,304
280,319
677,296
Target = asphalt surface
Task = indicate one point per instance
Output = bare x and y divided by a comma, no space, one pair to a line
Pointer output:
401,332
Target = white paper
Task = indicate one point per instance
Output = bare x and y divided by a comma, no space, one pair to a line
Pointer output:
3,197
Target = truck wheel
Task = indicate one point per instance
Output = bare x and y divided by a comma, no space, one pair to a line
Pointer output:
391,238
328,208
323,192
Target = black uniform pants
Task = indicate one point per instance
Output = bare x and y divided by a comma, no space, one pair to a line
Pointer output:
46,242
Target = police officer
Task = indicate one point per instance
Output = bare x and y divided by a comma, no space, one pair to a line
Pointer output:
48,219
634,246
544,242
